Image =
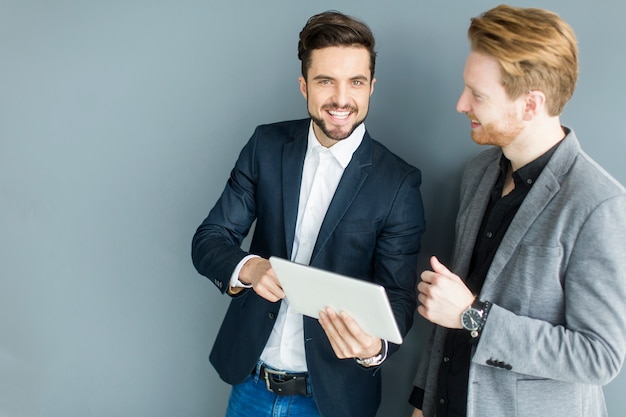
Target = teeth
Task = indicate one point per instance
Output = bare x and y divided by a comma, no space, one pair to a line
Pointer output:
339,113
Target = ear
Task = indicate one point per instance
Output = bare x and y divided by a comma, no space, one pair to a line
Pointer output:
534,104
302,82
372,86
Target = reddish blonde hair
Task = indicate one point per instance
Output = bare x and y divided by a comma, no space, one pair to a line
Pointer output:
536,49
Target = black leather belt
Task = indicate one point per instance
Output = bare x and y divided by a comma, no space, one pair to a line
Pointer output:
284,383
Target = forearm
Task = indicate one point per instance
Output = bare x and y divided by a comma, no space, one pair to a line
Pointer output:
215,256
540,349
397,250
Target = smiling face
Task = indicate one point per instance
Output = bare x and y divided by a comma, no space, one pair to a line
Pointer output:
337,89
495,118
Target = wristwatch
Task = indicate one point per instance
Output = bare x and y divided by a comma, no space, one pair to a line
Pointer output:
374,360
474,317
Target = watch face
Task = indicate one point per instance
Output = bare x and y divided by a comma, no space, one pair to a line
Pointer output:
471,319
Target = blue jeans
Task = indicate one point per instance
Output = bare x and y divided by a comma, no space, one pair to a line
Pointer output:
251,398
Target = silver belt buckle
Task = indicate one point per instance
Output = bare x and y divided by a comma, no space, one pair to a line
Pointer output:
267,373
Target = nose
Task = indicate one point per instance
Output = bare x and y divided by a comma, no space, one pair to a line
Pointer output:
462,105
340,95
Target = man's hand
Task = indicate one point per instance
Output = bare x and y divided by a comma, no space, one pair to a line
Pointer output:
258,272
417,413
346,336
443,296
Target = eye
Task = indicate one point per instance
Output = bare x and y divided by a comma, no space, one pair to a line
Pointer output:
357,82
324,82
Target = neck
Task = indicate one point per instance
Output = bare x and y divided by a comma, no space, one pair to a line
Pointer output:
509,184
533,142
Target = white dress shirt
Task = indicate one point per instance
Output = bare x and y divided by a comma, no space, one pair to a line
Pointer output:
322,171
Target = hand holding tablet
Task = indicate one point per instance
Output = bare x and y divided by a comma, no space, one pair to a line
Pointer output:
310,290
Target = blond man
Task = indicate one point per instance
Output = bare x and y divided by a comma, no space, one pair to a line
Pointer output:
530,316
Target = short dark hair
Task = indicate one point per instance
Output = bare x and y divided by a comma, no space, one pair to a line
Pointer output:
332,28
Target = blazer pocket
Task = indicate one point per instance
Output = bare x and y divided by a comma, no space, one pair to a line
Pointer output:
531,284
541,251
356,240
546,397
540,268
358,226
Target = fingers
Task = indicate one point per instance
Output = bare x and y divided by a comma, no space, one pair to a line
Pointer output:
439,270
417,413
438,267
442,295
268,287
346,337
330,324
258,272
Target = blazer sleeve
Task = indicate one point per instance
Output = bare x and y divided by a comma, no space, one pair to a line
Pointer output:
589,343
216,244
397,247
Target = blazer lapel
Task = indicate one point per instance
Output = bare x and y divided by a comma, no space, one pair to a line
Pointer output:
538,197
536,200
349,186
292,164
471,218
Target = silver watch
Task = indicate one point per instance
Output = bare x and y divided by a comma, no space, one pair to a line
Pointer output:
374,360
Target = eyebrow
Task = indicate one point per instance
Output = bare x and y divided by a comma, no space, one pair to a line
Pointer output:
328,77
475,90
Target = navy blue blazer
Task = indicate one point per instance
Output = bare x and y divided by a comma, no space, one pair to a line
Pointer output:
371,231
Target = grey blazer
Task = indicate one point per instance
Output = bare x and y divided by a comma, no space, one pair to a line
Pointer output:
557,329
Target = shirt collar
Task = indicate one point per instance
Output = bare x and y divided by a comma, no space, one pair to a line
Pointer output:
342,150
528,174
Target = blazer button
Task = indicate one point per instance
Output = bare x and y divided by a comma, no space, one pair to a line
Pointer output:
272,316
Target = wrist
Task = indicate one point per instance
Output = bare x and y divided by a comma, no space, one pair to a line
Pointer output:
246,265
474,317
377,359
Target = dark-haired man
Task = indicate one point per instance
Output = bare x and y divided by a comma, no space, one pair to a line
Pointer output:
323,193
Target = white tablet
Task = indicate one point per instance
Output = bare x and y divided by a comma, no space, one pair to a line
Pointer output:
310,290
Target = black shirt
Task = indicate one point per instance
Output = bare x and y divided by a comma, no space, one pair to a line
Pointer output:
454,370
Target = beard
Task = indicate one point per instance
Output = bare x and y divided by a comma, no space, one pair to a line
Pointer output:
340,132
501,134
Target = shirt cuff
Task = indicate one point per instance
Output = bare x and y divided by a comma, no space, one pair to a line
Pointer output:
417,398
234,278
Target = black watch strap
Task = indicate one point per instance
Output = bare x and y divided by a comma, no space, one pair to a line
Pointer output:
484,306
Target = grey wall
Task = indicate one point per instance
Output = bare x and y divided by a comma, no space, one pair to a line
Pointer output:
119,123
